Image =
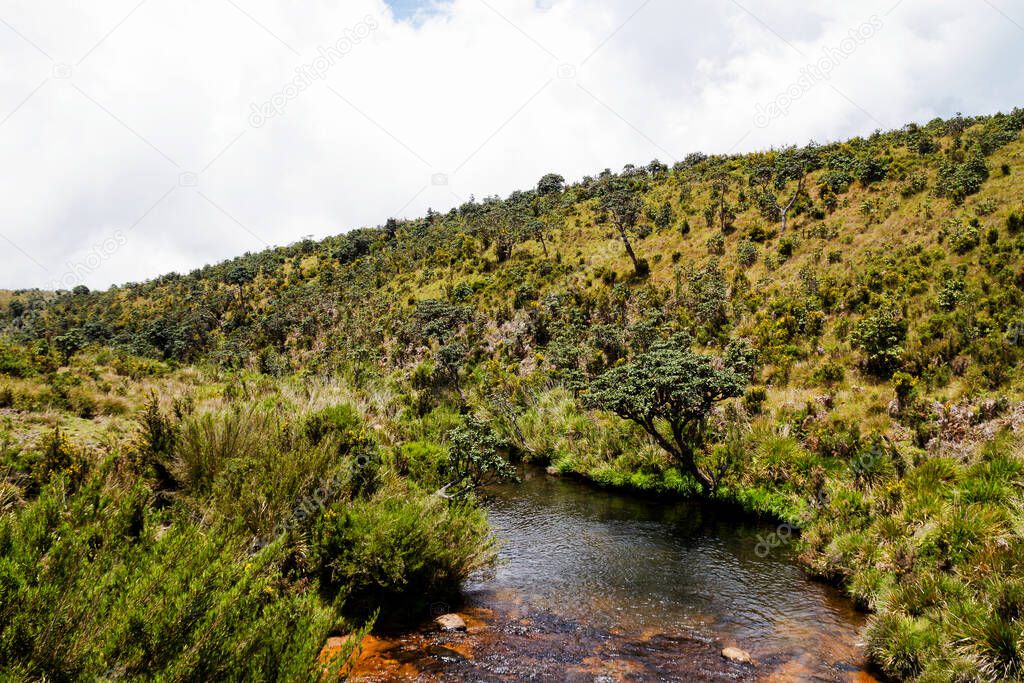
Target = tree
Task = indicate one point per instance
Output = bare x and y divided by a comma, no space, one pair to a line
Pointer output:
503,223
240,275
474,459
623,205
70,343
720,210
881,336
552,183
769,184
670,391
16,308
536,230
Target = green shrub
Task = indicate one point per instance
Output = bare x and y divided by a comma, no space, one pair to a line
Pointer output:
15,361
746,253
900,644
881,336
961,237
341,419
957,180
1015,222
829,373
425,462
207,442
398,548
89,588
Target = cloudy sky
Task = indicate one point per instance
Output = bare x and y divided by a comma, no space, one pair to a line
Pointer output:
139,138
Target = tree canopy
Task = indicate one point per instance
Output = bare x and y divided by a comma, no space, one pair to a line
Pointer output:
670,391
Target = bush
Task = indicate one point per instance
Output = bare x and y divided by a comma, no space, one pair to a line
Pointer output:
398,548
829,373
881,336
341,419
915,184
716,244
424,462
901,645
206,443
961,237
15,361
746,253
958,180
88,588
1015,222
871,169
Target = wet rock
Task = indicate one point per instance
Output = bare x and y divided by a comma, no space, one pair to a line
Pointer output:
450,623
445,654
734,654
553,471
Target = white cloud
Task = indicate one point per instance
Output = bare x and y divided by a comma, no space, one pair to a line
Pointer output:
110,106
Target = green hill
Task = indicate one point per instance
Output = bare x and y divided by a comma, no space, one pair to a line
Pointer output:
830,334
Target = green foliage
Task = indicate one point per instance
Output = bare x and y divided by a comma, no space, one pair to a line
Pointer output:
957,180
475,459
961,237
14,361
552,183
670,392
339,420
90,588
623,204
829,373
1015,222
424,321
746,253
398,548
881,337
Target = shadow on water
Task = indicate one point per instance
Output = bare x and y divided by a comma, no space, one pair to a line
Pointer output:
599,585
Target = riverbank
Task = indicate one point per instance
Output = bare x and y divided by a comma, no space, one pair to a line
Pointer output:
928,541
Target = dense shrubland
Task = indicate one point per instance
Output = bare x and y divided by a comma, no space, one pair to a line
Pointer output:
831,335
223,534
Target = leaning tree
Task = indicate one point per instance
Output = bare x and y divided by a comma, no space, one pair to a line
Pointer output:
670,391
622,203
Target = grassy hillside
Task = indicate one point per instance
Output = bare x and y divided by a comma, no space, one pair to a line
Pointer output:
859,305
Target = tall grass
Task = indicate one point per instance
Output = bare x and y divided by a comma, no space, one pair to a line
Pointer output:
226,543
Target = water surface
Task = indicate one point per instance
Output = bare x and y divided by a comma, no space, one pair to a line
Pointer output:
598,585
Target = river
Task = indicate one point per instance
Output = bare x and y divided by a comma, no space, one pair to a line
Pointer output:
594,585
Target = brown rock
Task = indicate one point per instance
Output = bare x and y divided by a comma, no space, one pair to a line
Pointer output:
734,654
450,623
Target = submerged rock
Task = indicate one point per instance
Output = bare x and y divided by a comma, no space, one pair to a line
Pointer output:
450,623
734,654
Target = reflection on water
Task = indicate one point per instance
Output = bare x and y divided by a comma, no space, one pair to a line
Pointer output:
630,564
599,586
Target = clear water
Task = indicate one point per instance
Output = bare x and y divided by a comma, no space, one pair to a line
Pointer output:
636,565
594,585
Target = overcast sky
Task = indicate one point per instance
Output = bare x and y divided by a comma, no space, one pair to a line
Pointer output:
139,138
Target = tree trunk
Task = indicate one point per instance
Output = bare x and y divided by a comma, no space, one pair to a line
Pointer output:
680,451
629,248
792,201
